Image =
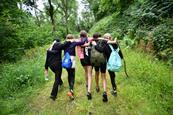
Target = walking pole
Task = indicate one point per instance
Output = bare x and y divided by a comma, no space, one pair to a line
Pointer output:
125,68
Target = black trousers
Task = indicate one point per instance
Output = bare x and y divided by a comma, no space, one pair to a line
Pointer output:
71,77
57,69
113,82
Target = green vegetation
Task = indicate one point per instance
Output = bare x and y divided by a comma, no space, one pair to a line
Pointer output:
147,91
22,29
146,24
145,28
17,80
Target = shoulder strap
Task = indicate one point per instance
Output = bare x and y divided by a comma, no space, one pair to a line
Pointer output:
117,50
111,47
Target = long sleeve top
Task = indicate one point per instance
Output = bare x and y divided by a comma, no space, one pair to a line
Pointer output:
71,48
54,53
107,50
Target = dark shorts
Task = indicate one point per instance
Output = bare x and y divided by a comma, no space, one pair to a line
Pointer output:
102,68
85,61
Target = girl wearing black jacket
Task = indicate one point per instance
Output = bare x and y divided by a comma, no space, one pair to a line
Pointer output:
53,61
107,52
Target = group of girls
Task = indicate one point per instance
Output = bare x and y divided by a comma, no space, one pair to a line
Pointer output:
83,44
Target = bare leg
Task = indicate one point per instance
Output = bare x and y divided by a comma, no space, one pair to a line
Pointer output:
86,75
105,98
104,81
89,68
97,78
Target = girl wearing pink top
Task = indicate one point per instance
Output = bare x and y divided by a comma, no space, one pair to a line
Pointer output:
84,56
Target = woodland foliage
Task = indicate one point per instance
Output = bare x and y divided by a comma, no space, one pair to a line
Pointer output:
150,21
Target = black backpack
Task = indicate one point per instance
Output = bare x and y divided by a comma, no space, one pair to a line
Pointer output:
100,45
97,57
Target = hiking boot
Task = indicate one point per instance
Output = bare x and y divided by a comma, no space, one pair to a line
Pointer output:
97,89
105,98
114,93
70,95
89,96
53,97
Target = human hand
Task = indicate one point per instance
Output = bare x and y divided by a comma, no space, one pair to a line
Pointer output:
46,74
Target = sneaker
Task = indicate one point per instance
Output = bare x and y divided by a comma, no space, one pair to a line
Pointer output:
114,93
97,89
105,98
89,96
70,95
53,97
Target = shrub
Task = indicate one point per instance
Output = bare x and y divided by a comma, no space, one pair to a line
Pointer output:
17,77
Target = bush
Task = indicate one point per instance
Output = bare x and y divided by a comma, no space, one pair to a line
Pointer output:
22,74
109,25
163,36
10,45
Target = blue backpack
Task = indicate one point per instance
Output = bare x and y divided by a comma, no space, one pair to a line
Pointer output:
114,62
67,63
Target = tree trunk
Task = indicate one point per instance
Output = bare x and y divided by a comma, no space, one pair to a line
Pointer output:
51,13
38,21
66,16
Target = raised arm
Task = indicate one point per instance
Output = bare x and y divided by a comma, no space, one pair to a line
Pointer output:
79,43
64,45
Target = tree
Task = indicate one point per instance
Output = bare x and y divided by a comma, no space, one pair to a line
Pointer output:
87,17
102,8
67,9
10,20
94,8
32,6
51,14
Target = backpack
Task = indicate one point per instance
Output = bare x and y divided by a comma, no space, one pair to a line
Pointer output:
97,58
100,45
114,61
67,63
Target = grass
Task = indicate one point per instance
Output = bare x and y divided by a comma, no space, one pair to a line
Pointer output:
18,80
148,90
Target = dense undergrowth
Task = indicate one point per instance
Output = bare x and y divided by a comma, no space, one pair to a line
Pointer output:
17,80
146,22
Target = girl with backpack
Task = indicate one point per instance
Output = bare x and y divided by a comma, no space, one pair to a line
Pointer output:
71,70
98,61
107,52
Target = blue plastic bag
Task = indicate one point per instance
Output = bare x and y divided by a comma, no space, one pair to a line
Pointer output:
67,63
114,63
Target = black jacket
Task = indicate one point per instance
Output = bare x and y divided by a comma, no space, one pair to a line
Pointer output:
107,50
54,54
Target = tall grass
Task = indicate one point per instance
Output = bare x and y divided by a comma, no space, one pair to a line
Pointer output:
18,79
148,90
151,81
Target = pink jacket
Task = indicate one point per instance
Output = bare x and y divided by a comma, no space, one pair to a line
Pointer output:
80,51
